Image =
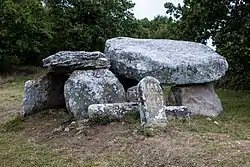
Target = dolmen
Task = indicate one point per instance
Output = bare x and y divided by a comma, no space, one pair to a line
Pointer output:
127,78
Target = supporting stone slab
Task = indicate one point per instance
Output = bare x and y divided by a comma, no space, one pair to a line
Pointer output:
44,93
200,99
177,111
113,110
132,94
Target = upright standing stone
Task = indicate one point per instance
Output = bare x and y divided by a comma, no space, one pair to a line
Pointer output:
152,102
177,111
200,99
43,93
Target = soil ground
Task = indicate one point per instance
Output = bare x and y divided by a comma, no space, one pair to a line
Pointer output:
52,138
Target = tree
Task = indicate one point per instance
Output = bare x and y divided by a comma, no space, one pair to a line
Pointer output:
86,24
227,22
24,31
33,29
161,27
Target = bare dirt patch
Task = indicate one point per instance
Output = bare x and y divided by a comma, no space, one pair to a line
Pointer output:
122,144
51,139
245,144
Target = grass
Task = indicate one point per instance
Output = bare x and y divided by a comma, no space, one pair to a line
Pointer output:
15,149
234,121
18,152
220,141
11,91
15,124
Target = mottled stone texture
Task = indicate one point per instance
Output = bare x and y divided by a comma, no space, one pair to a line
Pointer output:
44,93
68,61
152,102
132,94
113,111
169,61
84,88
177,111
199,99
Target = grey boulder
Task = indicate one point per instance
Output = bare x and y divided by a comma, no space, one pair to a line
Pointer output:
44,93
199,99
113,110
132,94
177,111
169,61
68,61
152,102
84,88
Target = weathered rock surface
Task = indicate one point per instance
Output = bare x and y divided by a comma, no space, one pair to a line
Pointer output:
84,88
44,93
113,111
199,99
132,94
152,102
73,60
170,61
171,99
177,111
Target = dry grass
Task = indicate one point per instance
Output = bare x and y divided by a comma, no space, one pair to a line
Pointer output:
11,91
47,139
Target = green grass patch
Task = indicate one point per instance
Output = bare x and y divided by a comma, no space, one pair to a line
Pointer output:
15,124
18,152
18,149
235,119
101,120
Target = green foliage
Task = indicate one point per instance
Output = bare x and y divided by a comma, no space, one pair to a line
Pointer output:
161,27
31,29
24,31
148,132
101,120
132,117
227,22
86,24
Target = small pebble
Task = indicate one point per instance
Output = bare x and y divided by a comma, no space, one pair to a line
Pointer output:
66,129
209,119
216,123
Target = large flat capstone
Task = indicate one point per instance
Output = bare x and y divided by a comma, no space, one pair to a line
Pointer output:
169,61
64,61
84,88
